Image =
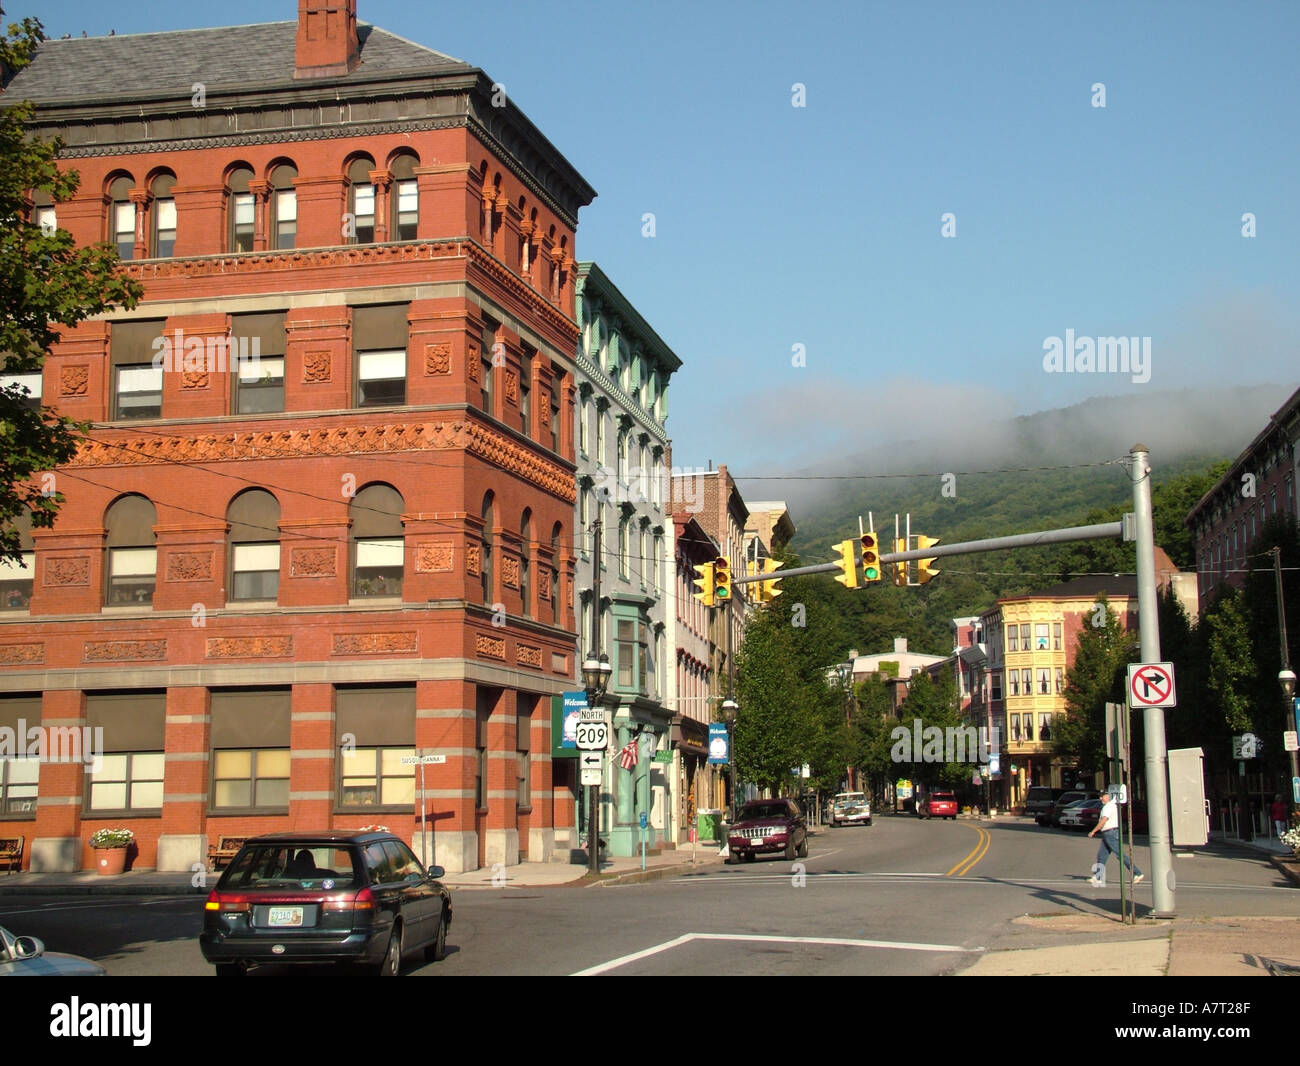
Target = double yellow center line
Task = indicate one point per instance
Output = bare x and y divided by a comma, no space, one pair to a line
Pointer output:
975,854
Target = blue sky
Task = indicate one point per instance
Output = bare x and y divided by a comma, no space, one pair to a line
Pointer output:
820,226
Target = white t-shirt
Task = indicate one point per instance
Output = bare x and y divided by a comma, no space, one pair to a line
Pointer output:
1109,815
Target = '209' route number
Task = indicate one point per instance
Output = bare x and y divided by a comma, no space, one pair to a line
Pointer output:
592,736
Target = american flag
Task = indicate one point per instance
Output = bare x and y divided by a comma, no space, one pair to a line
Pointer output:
627,757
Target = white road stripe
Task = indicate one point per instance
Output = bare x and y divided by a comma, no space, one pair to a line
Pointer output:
895,945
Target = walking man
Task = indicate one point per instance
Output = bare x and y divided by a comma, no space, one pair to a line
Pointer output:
1108,826
1278,813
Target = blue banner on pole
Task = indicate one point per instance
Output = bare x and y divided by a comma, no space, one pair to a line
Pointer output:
574,702
719,745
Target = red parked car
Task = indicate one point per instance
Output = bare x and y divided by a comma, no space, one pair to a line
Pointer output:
937,805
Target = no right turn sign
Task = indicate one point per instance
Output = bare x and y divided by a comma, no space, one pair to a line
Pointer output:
1151,685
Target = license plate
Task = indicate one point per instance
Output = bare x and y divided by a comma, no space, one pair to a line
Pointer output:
285,916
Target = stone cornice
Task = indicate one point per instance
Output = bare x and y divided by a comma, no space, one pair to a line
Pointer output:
593,282
603,387
466,435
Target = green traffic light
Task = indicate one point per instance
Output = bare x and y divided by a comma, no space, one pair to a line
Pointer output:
723,593
872,573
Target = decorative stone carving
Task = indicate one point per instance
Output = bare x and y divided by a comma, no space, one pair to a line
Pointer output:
529,656
74,380
249,647
386,439
67,572
106,651
313,562
544,584
374,643
490,647
510,571
433,558
21,654
512,388
437,358
189,566
474,560
194,379
471,362
545,409
569,593
316,367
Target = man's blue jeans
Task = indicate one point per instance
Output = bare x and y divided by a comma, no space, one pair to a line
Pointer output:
1110,843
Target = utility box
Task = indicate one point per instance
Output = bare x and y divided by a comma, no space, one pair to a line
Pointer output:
1190,820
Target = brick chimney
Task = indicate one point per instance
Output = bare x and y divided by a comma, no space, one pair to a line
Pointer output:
327,45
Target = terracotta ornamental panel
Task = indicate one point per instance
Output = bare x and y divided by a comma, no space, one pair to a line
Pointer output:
313,562
433,558
529,656
189,566
510,571
374,643
316,367
21,654
74,380
249,647
113,651
74,571
437,359
490,647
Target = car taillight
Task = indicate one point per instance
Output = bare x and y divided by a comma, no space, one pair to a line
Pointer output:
227,903
362,901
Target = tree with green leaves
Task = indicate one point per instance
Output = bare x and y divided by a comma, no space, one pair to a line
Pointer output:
870,737
45,282
1096,677
933,701
1231,660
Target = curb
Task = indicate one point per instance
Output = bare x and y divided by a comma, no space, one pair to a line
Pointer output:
653,873
92,889
1289,867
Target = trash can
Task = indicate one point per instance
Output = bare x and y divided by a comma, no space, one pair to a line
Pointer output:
708,822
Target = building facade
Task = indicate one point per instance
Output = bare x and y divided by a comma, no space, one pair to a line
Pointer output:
324,520
1260,483
623,459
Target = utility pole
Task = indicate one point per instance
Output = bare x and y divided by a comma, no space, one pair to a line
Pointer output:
1286,676
593,792
1153,718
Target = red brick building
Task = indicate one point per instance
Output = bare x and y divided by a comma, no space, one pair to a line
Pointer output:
274,580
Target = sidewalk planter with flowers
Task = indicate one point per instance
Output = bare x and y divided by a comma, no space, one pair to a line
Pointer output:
110,850
1291,838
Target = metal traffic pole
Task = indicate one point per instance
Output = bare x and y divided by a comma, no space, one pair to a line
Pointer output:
1153,718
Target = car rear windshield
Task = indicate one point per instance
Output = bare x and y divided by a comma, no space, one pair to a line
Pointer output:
851,797
764,810
272,867
942,796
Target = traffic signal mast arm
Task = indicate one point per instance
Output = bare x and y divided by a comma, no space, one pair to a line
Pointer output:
1104,531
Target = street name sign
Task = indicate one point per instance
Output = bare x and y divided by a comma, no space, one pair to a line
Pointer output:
1151,685
1291,740
590,763
423,760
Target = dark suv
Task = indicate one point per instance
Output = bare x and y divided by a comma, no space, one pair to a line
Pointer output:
335,896
1040,800
766,826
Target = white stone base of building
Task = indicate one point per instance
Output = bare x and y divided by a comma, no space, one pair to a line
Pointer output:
56,855
454,852
177,852
502,847
541,845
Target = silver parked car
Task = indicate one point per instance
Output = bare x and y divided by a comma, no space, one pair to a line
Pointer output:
25,956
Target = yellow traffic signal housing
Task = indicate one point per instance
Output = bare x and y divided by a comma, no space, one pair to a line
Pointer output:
848,564
870,558
900,568
925,567
721,579
767,590
704,582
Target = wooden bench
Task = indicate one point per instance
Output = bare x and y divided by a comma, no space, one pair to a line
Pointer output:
11,852
226,848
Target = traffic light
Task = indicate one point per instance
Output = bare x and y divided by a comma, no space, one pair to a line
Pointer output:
870,558
925,567
766,591
704,582
721,579
900,568
848,564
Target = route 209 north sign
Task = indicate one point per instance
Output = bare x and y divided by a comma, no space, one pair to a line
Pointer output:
1151,685
592,736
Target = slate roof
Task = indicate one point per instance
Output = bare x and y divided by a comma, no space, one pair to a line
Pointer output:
226,58
1089,585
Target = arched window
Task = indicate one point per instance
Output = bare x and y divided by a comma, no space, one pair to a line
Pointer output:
622,457
16,577
162,238
378,550
361,200
284,206
132,556
43,211
486,570
405,198
241,210
526,563
254,540
556,533
121,216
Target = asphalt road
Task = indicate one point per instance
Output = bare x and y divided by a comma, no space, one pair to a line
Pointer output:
899,897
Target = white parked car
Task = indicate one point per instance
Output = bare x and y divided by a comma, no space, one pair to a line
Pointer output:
851,808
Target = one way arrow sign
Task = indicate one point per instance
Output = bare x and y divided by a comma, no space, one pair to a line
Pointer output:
1151,685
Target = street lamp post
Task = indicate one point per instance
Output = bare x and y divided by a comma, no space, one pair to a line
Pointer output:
1285,676
595,679
729,709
